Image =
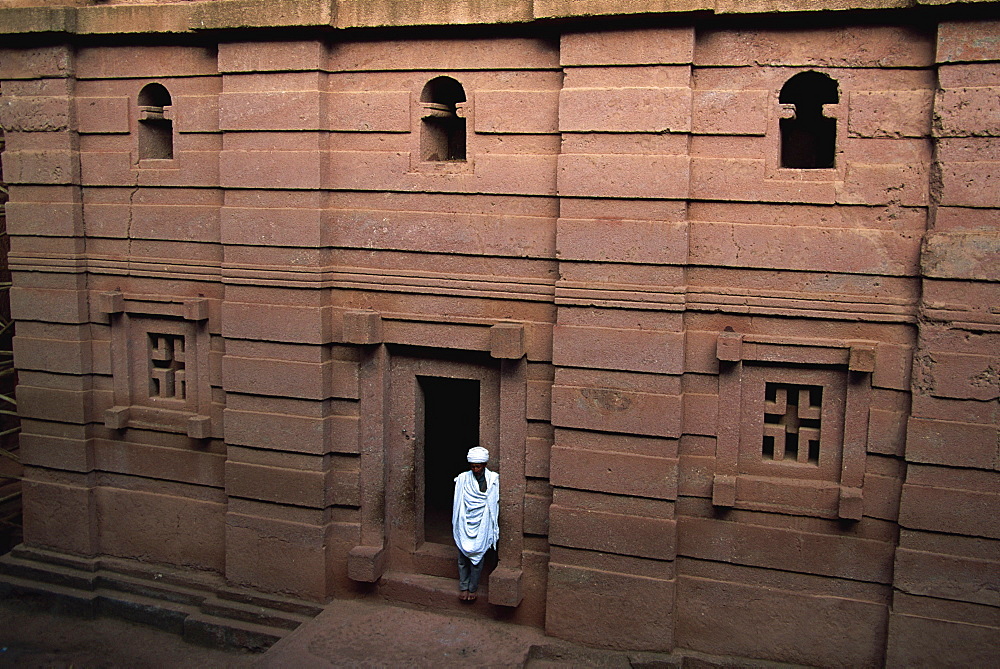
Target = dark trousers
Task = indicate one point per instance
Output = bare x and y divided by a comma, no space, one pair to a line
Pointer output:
468,573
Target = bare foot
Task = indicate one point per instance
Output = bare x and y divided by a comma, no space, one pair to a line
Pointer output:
463,595
471,597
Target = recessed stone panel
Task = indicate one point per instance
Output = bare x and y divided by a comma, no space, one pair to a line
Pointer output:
625,110
626,47
725,112
890,113
369,111
967,41
853,46
625,600
723,618
280,56
160,527
512,111
623,175
613,410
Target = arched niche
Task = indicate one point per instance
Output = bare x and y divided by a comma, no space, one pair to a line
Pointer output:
809,138
156,129
443,128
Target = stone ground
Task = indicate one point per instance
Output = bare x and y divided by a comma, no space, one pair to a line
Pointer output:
355,633
348,633
34,637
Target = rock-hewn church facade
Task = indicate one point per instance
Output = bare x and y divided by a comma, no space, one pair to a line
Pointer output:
715,281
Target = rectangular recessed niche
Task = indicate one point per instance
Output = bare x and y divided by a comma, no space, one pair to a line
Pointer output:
793,424
160,362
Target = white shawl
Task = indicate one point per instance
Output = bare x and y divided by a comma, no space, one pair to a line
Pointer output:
474,514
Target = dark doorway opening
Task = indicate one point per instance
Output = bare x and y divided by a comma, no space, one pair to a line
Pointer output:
451,428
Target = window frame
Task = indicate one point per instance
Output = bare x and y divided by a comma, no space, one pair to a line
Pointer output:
747,362
151,119
420,111
132,320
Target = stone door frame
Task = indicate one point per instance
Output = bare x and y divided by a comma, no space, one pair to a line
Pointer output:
391,505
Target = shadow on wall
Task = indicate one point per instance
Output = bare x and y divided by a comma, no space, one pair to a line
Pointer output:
10,463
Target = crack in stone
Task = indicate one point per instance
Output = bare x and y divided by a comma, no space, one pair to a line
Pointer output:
128,231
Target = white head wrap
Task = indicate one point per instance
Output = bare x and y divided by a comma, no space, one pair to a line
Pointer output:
478,454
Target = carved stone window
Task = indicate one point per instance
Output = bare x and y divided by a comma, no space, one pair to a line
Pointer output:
808,136
160,362
443,126
166,367
793,424
156,127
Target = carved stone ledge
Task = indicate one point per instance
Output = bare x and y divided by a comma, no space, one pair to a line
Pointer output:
505,587
362,326
366,564
507,341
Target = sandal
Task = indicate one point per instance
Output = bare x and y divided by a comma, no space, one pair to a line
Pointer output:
471,597
463,595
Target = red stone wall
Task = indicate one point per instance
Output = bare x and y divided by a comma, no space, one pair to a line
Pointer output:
823,258
104,247
646,296
943,602
45,217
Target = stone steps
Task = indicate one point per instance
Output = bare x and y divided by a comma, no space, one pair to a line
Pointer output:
143,587
301,607
436,560
164,615
252,613
433,593
212,631
199,606
50,573
64,600
51,557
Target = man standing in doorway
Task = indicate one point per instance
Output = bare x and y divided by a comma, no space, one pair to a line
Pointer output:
474,520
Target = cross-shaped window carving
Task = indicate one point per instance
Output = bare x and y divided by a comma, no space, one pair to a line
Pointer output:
792,422
166,356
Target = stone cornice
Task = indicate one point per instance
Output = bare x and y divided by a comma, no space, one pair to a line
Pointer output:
193,17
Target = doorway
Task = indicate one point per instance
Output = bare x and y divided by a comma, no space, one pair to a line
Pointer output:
451,428
441,403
